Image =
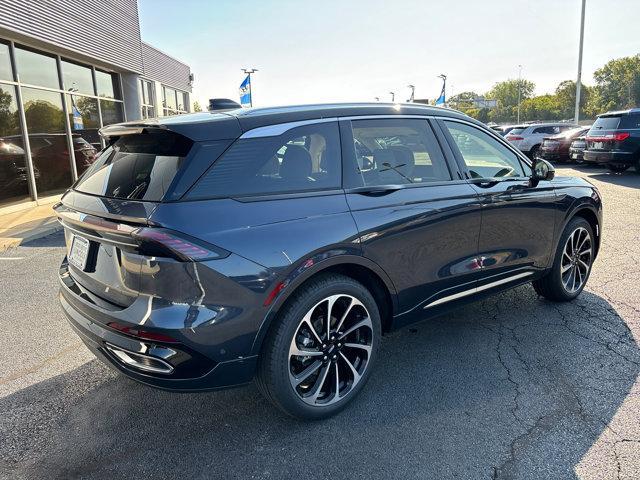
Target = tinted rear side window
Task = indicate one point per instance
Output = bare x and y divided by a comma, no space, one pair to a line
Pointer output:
302,159
630,121
606,123
140,166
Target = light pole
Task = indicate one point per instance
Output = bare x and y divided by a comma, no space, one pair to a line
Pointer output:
249,71
393,96
519,89
413,92
576,115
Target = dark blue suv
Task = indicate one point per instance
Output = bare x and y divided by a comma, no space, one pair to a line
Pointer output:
206,250
614,140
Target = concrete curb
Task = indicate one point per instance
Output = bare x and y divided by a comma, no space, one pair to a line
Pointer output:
33,234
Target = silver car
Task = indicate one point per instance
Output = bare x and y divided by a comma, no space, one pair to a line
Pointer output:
528,138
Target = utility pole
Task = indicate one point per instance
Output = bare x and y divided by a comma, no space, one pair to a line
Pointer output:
519,90
579,80
249,71
393,96
413,92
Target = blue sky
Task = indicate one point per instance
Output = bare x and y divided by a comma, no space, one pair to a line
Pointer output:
325,51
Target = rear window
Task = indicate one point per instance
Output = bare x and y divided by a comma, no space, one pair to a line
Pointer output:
302,159
136,167
606,123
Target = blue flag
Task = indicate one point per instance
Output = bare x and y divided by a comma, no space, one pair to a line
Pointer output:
245,92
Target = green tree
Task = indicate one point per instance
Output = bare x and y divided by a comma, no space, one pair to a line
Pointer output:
43,117
463,100
196,106
506,93
542,107
566,99
8,114
618,83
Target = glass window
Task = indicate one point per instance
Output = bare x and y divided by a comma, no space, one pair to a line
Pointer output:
396,151
77,78
137,166
6,72
85,122
111,112
169,98
146,99
47,139
302,159
14,177
37,69
107,84
606,123
484,156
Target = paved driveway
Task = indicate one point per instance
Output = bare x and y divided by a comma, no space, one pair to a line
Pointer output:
512,387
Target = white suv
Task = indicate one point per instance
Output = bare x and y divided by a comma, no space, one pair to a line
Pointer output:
528,138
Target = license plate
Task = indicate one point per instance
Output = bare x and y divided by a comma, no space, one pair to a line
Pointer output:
574,156
598,145
79,252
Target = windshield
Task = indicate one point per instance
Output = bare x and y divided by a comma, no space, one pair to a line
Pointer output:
139,167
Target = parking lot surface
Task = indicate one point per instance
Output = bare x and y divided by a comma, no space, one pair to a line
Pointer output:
511,387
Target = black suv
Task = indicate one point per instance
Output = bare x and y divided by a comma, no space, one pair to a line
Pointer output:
614,140
208,249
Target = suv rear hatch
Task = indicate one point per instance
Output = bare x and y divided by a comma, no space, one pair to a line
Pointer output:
611,131
106,216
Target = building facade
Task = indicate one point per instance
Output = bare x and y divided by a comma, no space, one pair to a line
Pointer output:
67,68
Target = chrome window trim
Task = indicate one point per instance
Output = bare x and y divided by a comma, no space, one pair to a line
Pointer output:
278,129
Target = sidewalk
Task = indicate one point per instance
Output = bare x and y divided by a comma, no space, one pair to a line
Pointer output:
25,225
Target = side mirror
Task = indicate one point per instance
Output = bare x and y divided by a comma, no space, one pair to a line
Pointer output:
542,170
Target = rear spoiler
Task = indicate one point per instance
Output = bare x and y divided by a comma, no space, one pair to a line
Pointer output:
132,128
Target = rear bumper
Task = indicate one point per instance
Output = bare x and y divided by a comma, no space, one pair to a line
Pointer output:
188,367
551,155
613,157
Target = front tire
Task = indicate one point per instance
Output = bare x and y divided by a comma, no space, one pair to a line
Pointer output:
572,263
321,350
616,168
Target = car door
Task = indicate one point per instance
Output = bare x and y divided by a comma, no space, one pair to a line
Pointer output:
417,217
518,216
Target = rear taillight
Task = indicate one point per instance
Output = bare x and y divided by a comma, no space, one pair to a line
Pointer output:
618,137
611,137
514,137
160,242
142,334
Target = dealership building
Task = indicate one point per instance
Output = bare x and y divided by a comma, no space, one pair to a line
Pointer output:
67,68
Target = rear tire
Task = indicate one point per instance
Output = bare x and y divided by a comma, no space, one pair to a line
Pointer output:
340,356
637,166
533,153
617,168
571,265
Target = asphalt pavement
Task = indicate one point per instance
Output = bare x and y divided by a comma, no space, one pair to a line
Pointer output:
511,387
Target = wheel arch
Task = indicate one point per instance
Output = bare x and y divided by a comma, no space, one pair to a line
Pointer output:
361,269
590,214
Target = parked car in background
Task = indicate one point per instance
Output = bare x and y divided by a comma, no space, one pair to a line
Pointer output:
206,249
556,147
576,150
614,140
504,129
528,138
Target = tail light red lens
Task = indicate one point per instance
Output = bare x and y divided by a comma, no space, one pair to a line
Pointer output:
142,334
615,137
618,137
514,137
161,242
